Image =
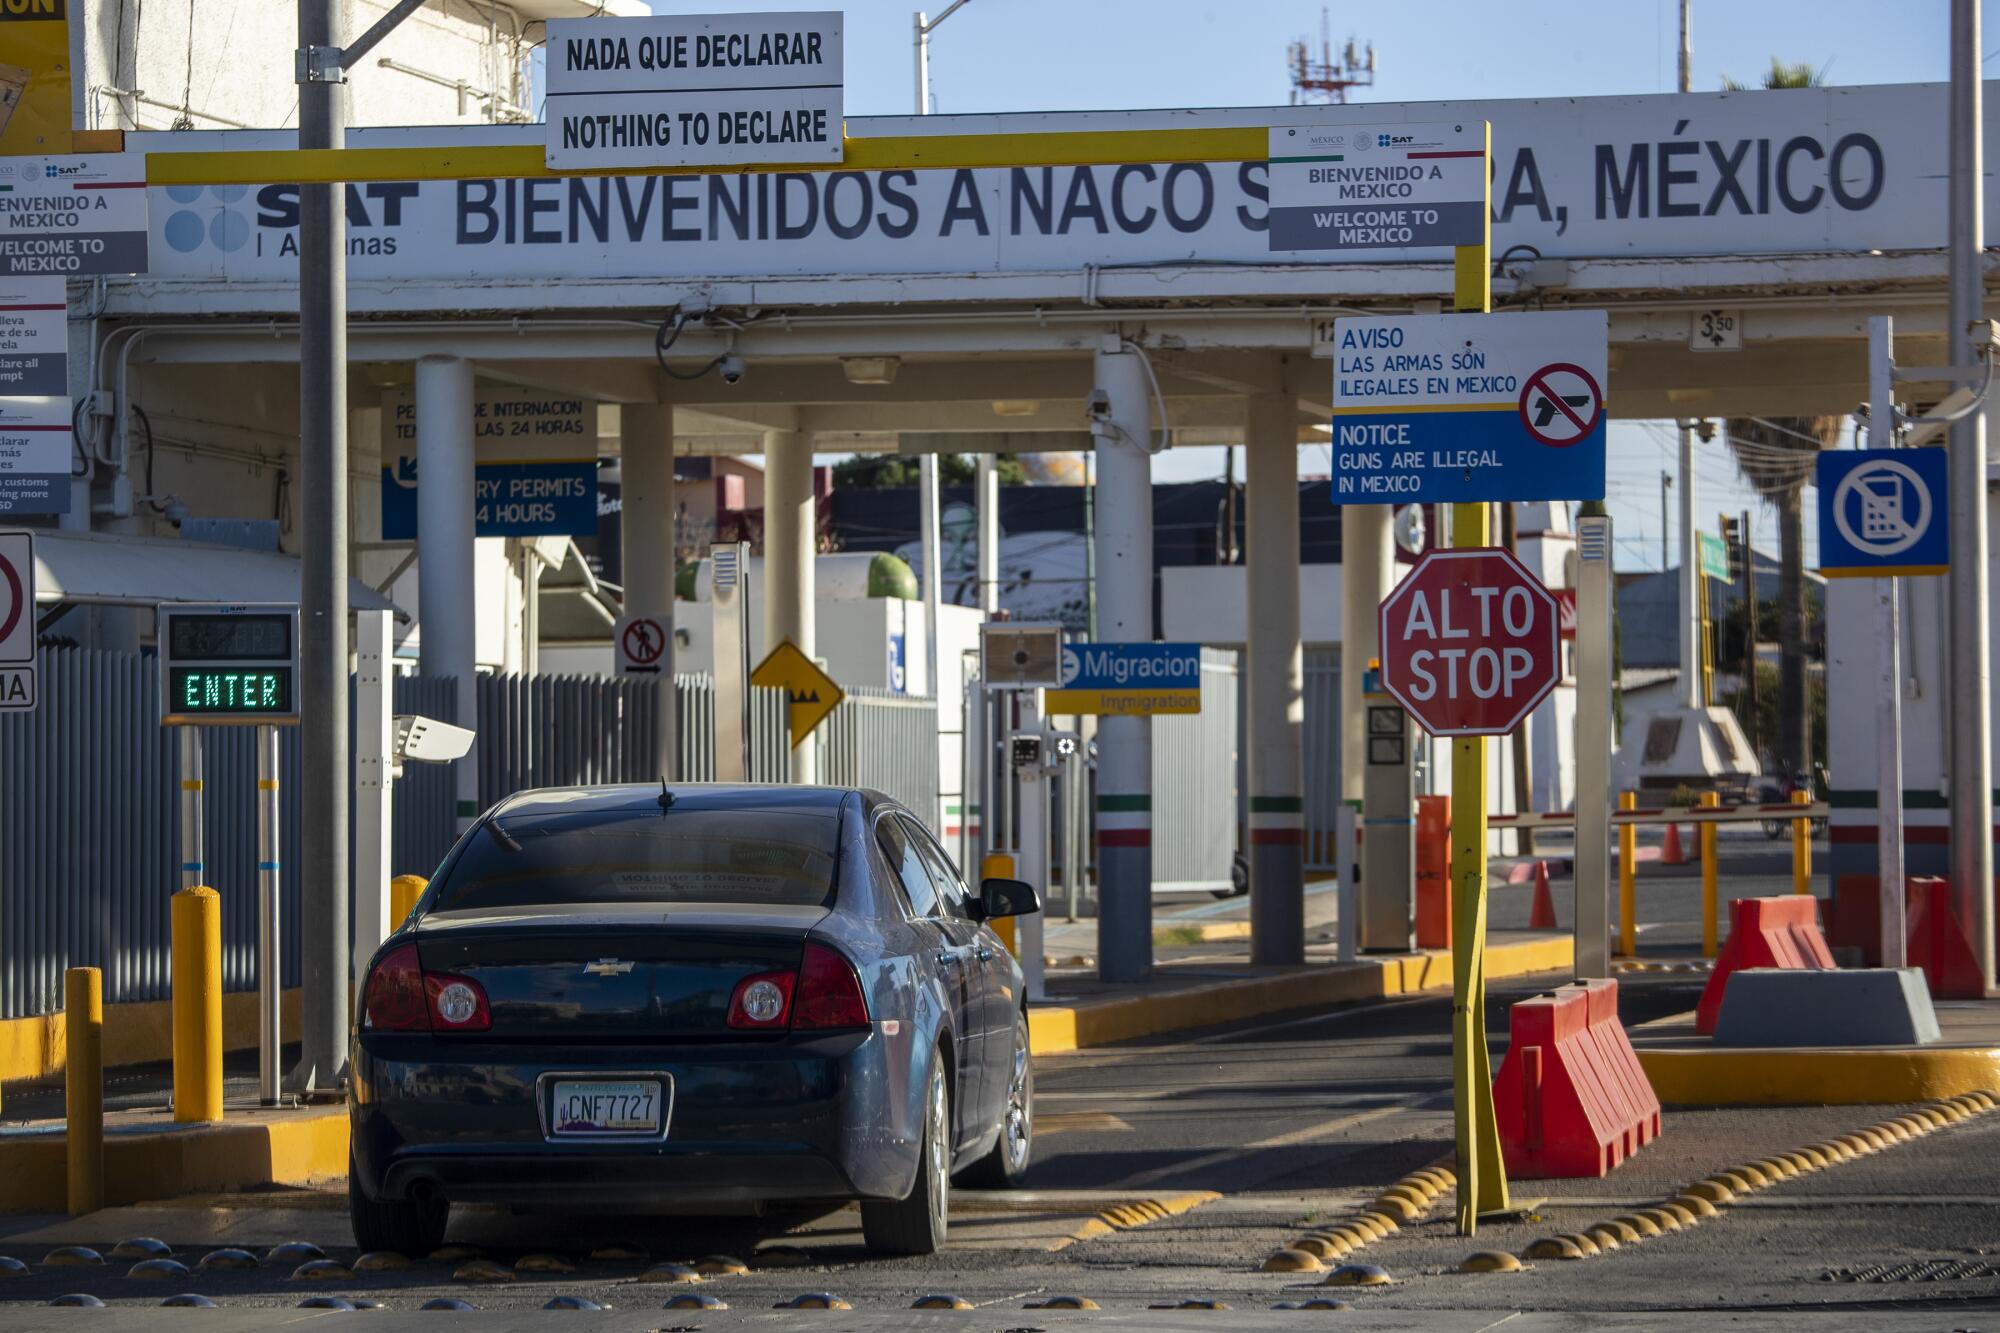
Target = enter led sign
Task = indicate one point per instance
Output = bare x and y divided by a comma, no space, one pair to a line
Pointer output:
228,664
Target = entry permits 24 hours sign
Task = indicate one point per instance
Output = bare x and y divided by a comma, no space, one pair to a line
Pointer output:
694,90
1451,408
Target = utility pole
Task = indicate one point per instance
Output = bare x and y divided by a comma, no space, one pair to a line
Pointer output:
1971,665
1687,46
1750,637
1690,578
325,886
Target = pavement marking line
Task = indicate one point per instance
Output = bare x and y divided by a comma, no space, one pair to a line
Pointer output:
1324,1129
1075,1122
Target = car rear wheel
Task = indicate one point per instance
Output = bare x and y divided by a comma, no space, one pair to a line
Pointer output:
412,1227
916,1223
1004,1167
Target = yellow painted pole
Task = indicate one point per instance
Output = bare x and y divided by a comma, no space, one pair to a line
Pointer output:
1801,847
83,1087
197,951
1482,1173
1000,865
1628,855
1706,832
404,890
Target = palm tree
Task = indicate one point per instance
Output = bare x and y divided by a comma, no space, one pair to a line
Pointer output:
1776,455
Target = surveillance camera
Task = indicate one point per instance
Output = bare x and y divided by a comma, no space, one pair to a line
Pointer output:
732,368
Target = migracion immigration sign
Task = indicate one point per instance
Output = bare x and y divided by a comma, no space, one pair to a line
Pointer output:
1128,679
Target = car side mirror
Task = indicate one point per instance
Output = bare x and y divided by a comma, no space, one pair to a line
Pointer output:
1007,897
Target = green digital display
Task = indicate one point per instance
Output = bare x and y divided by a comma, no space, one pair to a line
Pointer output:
237,690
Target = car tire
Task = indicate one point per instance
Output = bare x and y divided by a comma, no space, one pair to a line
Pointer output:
1007,1165
411,1227
915,1224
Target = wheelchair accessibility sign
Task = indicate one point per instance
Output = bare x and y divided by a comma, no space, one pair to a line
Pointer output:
1882,512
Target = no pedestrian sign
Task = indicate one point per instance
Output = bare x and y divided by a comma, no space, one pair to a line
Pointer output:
694,90
1451,408
642,643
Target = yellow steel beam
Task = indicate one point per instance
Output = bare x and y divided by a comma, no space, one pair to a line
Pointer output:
926,152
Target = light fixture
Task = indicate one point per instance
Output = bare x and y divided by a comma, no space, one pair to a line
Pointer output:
1015,407
870,369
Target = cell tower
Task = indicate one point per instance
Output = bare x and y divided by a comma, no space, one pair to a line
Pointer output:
1325,80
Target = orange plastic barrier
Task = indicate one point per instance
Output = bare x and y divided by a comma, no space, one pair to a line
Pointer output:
1938,943
1764,932
1570,1096
1434,872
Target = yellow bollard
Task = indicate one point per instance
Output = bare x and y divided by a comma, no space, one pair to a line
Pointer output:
1706,832
197,950
1000,865
1628,855
83,1086
404,890
1801,847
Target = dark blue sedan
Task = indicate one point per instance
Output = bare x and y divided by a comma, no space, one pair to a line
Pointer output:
692,999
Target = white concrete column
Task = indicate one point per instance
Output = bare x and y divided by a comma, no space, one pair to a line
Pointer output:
1276,681
1124,552
1690,682
789,546
646,548
446,606
1367,572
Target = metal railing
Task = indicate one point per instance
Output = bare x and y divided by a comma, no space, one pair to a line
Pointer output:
90,840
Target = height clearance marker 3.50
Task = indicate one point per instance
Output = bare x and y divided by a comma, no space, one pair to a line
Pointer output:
1456,408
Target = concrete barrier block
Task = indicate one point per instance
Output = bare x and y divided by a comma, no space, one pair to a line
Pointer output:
1878,1006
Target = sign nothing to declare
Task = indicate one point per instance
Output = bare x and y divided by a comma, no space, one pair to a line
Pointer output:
694,90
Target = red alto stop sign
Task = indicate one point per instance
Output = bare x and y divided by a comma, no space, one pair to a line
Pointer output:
1471,642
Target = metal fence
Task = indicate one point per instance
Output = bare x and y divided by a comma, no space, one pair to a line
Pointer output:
90,837
1194,784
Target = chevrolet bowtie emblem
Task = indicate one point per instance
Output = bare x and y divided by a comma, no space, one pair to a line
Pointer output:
607,967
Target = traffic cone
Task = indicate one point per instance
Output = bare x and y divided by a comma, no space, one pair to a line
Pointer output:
1672,855
1542,916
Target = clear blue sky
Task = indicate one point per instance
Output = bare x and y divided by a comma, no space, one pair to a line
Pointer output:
1053,55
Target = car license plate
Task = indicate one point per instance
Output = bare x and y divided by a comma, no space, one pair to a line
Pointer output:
582,1109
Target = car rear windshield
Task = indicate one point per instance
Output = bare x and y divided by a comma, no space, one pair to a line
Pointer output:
771,857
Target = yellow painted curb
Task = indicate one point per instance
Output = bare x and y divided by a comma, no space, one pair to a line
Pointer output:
1054,1029
1835,1077
295,1148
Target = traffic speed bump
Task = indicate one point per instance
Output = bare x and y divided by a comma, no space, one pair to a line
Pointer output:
1192,1303
1358,1275
670,1273
326,1303
12,1267
1680,1212
1322,1247
228,1260
1548,1247
543,1263
456,1254
1381,1219
1618,1229
447,1303
1712,1190
619,1254
720,1265
482,1270
814,1300
1399,1206
187,1300
571,1303
1062,1303
383,1261
1604,1236
1661,1218
141,1247
321,1270
938,1300
1293,1261
1639,1222
1491,1261
1733,1181
694,1300
293,1252
72,1256
158,1270
77,1300
1697,1205
1751,1177
1316,1303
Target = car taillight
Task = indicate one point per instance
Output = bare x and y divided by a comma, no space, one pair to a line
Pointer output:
394,999
829,992
763,1003
457,1004
402,997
